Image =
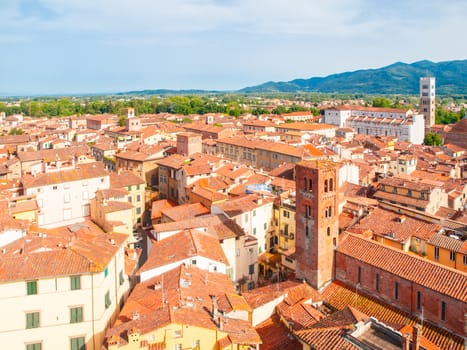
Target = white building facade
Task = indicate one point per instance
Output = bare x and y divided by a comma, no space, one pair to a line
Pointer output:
63,197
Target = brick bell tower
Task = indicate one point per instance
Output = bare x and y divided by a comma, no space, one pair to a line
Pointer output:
316,220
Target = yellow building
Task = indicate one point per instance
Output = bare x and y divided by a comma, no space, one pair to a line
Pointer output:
184,308
136,187
449,249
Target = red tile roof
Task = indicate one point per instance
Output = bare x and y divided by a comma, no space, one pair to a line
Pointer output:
339,296
181,246
439,278
81,172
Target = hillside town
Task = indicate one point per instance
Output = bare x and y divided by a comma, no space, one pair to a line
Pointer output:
334,230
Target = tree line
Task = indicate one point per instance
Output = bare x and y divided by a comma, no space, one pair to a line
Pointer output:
183,105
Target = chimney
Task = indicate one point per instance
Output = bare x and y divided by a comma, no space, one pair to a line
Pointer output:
417,334
406,341
135,315
214,309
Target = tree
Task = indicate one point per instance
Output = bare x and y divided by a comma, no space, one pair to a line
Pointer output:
15,131
432,139
381,102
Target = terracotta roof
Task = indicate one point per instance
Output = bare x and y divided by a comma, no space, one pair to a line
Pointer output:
175,161
217,225
276,336
53,154
339,296
449,243
326,338
85,248
439,278
181,296
241,205
293,290
81,172
185,211
124,179
396,226
181,246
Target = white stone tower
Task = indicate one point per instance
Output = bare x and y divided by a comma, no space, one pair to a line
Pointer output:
427,100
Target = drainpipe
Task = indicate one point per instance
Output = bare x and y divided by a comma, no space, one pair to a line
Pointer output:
93,311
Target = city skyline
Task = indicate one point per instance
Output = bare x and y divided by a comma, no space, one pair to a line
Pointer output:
56,47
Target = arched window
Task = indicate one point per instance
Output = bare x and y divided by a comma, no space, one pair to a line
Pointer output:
331,185
305,184
325,185
329,230
310,184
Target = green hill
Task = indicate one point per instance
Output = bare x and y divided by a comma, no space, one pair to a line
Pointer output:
397,78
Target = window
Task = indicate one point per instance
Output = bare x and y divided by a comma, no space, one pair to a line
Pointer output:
129,188
178,346
31,287
76,314
77,343
286,214
409,192
325,185
66,198
394,190
307,231
137,187
121,277
34,346
75,282
436,253
138,211
359,275
55,187
108,302
32,320
85,195
251,269
254,212
328,231
377,282
419,300
464,259
196,345
452,256
443,311
237,252
106,272
307,211
331,185
138,198
254,231
265,225
129,199
396,290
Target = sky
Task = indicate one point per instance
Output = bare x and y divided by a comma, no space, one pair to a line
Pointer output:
97,46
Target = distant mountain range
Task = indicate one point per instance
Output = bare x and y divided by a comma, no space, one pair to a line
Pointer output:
397,78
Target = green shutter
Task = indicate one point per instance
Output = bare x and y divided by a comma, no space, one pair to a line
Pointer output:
32,320
36,346
76,314
31,287
77,343
107,300
75,282
122,279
